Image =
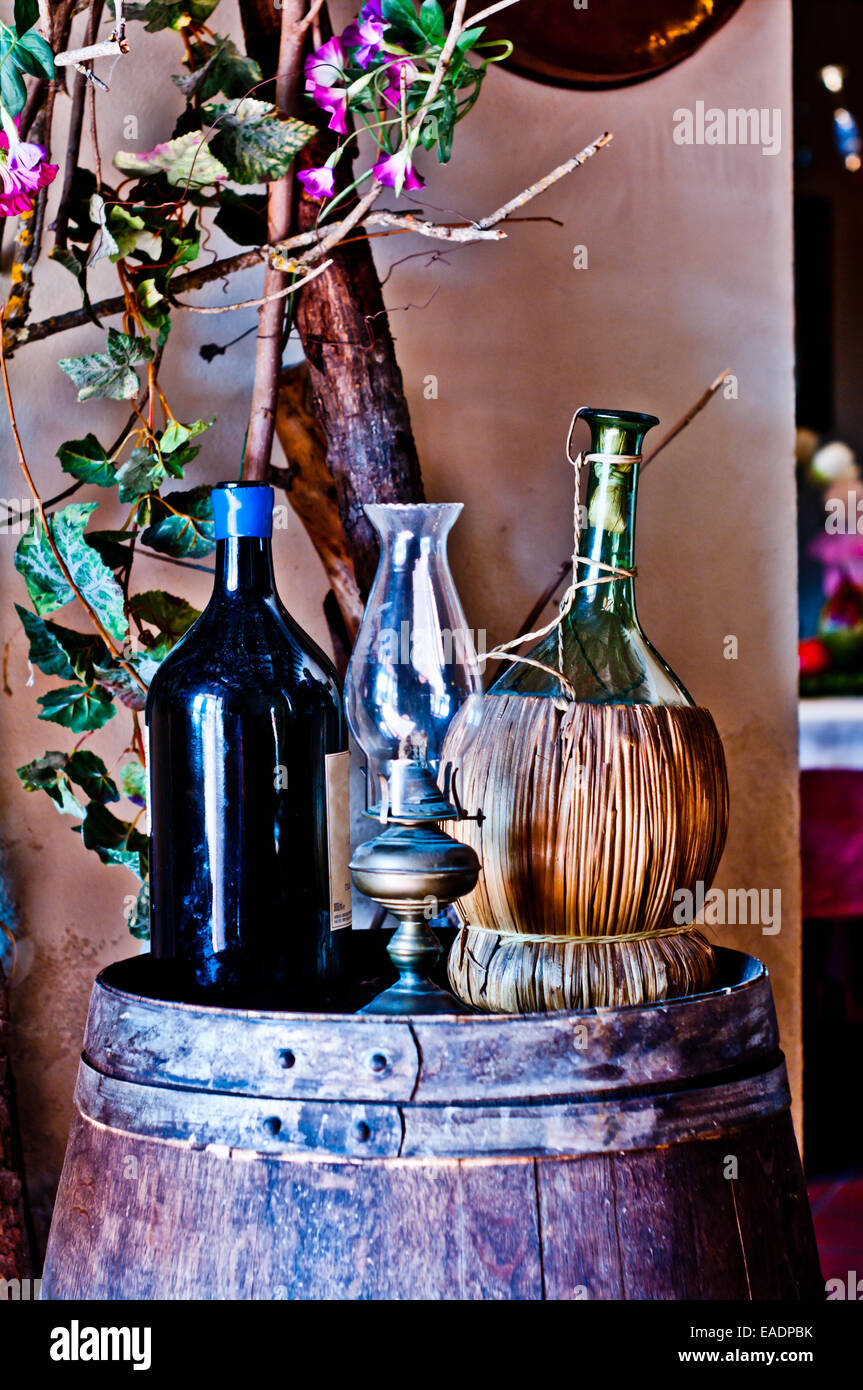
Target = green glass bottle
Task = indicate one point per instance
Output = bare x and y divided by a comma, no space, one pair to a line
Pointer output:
601,784
599,646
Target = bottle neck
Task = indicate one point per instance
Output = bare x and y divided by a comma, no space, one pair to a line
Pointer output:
608,538
244,568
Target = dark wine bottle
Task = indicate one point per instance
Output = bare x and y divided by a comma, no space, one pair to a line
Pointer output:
248,790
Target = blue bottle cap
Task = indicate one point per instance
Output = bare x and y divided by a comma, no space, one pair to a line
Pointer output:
242,509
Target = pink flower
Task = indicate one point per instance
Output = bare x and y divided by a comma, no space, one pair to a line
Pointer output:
842,557
326,66
396,171
23,171
334,100
366,33
318,183
393,94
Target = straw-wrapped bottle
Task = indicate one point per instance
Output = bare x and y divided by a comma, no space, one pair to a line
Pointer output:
602,788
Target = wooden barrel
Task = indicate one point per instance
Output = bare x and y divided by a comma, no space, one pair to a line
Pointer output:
640,1152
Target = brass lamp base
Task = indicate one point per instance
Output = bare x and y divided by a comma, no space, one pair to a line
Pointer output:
414,871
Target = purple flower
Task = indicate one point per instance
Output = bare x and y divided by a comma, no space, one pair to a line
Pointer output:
393,94
842,557
334,100
396,171
318,183
23,171
366,33
326,66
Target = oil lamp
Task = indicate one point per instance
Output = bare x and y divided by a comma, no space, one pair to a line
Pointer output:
413,666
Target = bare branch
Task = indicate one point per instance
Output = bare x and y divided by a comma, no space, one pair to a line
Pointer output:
253,303
321,239
106,308
268,356
440,231
690,414
542,184
312,15
76,126
487,13
566,566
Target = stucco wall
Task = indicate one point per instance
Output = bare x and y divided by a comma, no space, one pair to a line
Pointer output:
689,271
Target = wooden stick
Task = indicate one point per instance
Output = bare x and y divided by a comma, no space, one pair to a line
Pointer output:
271,314
252,303
542,184
484,230
109,49
704,399
76,126
487,13
685,419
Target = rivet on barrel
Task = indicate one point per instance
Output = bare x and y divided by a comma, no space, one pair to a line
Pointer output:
287,1058
362,1132
272,1124
378,1062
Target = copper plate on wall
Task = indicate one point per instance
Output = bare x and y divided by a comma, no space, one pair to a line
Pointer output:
610,43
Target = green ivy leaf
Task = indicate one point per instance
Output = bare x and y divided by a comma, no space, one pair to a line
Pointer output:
111,546
13,89
86,460
130,232
21,53
61,651
142,473
148,662
46,583
169,615
133,781
177,434
115,841
469,38
432,21
91,775
176,447
139,918
226,70
109,374
82,228
77,707
154,307
48,774
185,161
182,524
103,242
180,246
115,679
70,260
34,54
46,650
243,217
26,14
169,14
401,15
254,143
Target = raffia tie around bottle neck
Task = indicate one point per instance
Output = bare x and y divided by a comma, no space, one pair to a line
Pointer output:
609,574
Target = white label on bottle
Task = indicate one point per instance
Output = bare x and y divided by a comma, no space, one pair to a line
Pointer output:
338,775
